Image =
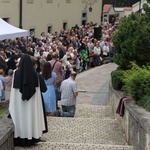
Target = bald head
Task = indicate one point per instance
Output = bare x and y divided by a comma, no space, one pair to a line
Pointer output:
73,75
54,55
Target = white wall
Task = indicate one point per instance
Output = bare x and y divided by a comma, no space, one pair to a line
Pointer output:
40,14
10,9
135,7
126,13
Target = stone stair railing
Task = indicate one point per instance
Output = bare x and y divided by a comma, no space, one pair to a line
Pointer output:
6,130
135,123
6,133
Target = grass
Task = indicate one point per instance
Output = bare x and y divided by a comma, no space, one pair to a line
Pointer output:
3,110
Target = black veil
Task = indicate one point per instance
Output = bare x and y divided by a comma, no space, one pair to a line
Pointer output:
25,77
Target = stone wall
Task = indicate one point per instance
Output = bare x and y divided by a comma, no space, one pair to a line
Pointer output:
135,123
6,132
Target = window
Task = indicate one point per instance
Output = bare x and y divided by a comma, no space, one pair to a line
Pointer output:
68,1
84,14
5,1
30,1
49,1
84,17
83,1
49,29
84,22
32,34
65,25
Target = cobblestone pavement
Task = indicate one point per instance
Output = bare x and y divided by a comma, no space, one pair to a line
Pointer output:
93,127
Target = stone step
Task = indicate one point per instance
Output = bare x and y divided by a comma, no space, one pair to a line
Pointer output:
74,146
93,111
84,130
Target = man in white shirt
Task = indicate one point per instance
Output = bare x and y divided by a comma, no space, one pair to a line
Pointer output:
69,92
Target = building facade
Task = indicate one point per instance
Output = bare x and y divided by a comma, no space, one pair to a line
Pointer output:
109,11
39,16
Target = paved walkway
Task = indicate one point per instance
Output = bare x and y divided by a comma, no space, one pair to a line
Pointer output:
93,127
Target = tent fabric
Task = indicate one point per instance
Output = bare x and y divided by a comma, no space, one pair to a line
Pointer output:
8,31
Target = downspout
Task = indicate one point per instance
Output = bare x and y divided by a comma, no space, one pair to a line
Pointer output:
139,7
102,11
20,15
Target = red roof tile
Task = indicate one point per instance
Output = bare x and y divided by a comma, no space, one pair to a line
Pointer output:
128,8
106,8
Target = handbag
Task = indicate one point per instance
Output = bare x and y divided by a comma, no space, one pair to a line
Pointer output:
91,54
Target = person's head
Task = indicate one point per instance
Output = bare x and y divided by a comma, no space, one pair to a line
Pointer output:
70,49
73,75
2,53
46,70
75,52
10,72
54,55
69,58
34,62
1,72
106,43
25,62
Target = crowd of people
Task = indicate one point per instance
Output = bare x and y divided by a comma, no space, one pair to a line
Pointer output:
37,73
78,43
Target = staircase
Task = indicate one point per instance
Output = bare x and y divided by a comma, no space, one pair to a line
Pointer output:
94,126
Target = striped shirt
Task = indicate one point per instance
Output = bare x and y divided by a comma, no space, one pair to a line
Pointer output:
68,88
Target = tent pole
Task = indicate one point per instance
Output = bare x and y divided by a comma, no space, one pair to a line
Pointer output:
20,15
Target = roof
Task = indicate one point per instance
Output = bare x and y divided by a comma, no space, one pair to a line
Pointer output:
106,8
119,9
128,8
8,31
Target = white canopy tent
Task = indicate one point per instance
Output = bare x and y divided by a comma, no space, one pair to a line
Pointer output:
8,31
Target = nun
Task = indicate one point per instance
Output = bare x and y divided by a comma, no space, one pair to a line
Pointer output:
26,107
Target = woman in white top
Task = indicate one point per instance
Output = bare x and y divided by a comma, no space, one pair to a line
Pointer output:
97,53
106,50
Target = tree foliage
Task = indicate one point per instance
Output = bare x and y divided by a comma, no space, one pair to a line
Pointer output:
132,40
116,79
137,83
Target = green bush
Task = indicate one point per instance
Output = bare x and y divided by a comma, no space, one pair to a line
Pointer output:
137,83
131,40
116,79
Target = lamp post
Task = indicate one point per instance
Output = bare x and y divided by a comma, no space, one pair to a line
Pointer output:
89,3
20,15
139,7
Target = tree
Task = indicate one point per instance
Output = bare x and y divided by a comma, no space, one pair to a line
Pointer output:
132,39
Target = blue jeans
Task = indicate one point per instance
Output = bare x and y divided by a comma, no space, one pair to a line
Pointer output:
57,91
68,111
